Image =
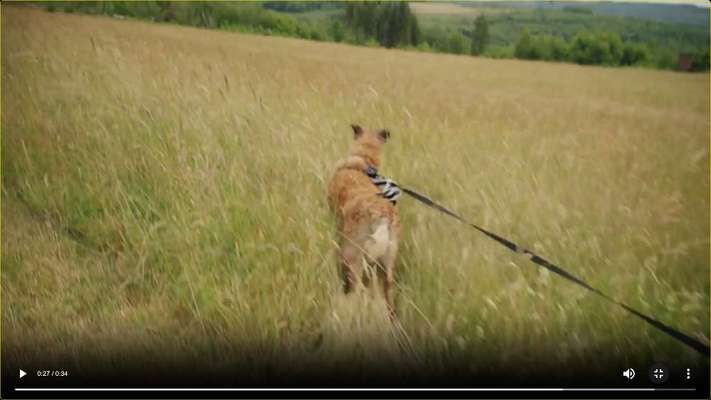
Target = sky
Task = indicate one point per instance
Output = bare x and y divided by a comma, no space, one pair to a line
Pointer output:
699,3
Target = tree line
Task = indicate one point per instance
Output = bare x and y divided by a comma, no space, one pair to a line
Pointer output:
602,48
391,24
250,17
301,6
586,48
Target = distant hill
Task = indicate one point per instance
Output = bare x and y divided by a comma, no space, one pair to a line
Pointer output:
670,13
657,33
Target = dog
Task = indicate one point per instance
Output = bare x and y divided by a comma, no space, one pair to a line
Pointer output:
368,223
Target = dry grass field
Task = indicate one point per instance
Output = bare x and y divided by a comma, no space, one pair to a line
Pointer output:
163,191
449,9
443,9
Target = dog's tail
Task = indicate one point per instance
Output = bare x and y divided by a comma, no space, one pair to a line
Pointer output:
379,241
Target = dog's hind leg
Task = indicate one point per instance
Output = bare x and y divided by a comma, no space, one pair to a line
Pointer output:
351,265
387,268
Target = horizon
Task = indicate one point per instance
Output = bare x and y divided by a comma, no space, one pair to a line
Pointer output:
697,3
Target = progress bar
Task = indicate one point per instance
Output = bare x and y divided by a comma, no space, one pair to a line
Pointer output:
353,389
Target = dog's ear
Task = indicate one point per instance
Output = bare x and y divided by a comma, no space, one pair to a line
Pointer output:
384,134
357,130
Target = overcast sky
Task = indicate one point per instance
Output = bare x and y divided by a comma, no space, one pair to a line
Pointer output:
700,3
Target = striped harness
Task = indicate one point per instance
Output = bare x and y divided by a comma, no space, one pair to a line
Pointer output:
388,188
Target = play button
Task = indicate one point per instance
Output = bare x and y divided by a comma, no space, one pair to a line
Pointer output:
22,373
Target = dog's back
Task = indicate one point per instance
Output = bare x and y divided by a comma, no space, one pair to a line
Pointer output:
368,224
364,217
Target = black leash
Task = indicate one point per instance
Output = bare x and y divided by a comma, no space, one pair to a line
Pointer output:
687,340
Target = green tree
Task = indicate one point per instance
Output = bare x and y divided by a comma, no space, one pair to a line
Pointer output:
602,48
635,54
558,49
401,21
337,31
524,45
350,12
701,61
480,37
457,43
415,34
665,58
587,49
437,38
390,23
615,47
540,48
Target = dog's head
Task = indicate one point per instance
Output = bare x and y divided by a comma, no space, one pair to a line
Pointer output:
368,144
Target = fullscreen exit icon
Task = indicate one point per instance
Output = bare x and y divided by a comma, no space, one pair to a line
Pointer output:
658,373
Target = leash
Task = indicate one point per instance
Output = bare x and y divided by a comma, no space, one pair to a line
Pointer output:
536,259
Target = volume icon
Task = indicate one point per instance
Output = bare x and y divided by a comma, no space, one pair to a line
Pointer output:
628,373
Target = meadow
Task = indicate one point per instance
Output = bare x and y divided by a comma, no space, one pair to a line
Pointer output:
164,193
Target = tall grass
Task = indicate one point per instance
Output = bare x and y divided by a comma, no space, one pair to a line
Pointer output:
163,190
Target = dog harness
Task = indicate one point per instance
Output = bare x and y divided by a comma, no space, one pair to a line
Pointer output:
388,188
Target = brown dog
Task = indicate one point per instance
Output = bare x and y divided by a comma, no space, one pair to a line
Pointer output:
368,224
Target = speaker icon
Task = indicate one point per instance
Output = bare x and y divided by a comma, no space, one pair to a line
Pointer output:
629,373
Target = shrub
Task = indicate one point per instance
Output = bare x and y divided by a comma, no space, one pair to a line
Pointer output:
337,31
635,54
437,39
524,45
500,52
665,58
558,49
457,43
701,61
424,46
372,43
315,35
